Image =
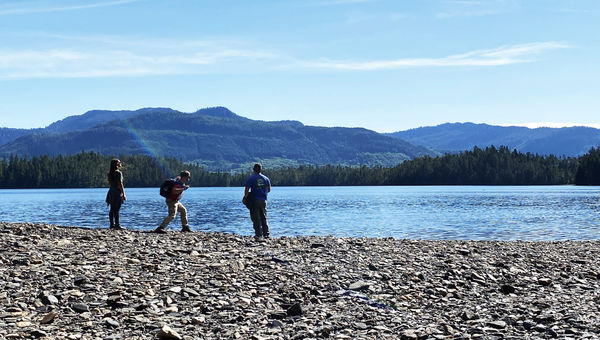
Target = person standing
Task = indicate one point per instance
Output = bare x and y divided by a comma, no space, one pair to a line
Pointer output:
116,193
258,187
174,205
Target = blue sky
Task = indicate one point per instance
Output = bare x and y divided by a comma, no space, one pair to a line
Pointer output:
386,65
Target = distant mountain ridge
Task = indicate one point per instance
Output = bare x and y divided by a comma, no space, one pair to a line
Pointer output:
214,137
455,137
10,134
95,117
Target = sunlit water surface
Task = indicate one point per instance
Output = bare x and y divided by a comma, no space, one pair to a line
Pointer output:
424,212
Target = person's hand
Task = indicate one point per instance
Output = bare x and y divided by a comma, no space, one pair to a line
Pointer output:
124,197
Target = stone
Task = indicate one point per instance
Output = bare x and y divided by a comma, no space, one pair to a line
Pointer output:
79,280
175,289
49,300
48,318
235,288
507,289
80,307
295,310
409,334
359,285
37,333
191,292
112,323
497,324
167,333
275,323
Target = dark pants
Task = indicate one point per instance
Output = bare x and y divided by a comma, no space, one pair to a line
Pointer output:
258,214
113,214
114,199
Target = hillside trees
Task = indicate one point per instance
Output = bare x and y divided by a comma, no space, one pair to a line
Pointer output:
588,169
489,166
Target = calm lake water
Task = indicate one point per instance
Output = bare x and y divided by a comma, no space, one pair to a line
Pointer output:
424,212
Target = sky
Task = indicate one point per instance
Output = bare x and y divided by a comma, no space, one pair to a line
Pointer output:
385,65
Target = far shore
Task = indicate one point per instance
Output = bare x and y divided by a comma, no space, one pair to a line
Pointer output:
77,283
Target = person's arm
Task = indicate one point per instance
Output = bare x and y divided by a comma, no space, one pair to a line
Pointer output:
246,189
179,189
122,191
121,187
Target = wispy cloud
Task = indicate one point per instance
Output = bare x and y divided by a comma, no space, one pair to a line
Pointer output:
475,8
106,56
504,55
34,7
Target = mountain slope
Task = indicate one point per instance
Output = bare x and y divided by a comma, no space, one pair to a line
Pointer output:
95,117
454,137
220,139
10,134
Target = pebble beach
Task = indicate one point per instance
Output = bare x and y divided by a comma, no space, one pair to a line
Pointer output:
75,283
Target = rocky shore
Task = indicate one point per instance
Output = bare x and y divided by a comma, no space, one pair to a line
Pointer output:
74,283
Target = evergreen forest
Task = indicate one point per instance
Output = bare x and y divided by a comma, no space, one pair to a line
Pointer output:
489,166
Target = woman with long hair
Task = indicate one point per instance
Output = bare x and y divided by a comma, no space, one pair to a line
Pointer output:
116,193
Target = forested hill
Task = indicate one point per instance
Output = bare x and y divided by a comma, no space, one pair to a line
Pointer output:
490,166
456,137
215,138
8,134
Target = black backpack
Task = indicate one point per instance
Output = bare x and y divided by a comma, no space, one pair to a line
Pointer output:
166,186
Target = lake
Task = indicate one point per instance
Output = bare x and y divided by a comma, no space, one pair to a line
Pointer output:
532,213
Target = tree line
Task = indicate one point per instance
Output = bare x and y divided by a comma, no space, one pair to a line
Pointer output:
489,166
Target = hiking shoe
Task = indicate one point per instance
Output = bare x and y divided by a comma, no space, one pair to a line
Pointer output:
116,227
160,231
186,230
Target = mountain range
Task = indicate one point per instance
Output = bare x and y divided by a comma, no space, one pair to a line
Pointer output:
222,140
456,137
214,137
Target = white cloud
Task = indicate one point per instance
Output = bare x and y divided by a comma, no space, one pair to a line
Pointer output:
30,7
476,8
144,58
504,55
117,56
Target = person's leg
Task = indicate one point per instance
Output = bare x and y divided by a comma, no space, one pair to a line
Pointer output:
170,216
263,218
255,217
111,217
183,214
116,208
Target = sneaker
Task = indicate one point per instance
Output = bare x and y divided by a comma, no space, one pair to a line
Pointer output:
160,231
186,229
116,227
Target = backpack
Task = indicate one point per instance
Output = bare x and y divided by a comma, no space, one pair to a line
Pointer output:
166,186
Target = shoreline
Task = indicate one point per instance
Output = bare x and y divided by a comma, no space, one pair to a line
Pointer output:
82,283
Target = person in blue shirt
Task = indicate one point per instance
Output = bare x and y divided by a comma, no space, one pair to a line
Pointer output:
257,188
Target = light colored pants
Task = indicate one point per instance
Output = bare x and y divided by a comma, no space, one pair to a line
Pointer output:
174,208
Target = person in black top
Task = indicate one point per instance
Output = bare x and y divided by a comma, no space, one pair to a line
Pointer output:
116,193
